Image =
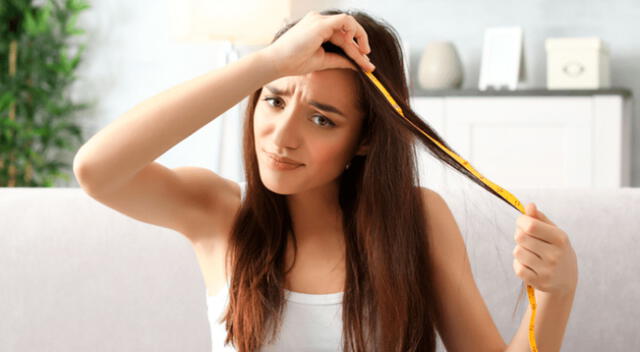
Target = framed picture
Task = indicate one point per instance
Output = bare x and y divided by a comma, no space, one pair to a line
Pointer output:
501,58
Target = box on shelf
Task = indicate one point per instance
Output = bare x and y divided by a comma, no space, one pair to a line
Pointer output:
577,63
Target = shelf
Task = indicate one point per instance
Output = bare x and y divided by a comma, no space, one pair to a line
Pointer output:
625,92
565,139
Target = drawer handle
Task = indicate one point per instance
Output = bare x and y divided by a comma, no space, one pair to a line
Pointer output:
573,69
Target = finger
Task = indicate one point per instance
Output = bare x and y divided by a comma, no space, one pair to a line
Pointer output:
524,271
537,228
350,38
534,245
347,27
527,257
544,218
333,60
362,38
357,35
533,211
352,49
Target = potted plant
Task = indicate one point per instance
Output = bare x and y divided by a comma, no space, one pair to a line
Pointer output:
37,116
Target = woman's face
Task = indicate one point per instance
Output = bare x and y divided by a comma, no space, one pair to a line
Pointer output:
312,119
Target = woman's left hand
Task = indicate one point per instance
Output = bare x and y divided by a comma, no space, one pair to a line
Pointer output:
544,257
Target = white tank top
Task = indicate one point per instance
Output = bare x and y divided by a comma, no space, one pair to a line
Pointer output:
311,322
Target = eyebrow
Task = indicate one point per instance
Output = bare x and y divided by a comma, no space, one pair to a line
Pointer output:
321,106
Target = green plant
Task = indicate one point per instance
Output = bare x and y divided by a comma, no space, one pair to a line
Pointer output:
36,113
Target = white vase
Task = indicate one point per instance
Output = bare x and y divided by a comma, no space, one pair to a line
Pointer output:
440,66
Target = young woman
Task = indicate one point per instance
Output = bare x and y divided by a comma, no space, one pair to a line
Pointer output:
329,244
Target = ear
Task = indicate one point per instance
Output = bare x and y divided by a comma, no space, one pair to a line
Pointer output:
363,148
363,144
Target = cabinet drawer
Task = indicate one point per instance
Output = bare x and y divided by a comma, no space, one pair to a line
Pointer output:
551,141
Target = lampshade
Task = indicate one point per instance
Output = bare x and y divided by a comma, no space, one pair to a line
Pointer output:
248,22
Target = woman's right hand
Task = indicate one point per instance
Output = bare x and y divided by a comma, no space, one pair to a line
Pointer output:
298,51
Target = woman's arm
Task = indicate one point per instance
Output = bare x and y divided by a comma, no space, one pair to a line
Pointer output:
545,259
552,315
464,321
138,137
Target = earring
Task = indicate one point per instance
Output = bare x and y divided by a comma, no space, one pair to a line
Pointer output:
347,167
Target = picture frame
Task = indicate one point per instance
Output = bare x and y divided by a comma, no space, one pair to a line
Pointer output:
501,58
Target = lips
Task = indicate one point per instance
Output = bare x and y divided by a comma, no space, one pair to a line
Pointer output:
283,160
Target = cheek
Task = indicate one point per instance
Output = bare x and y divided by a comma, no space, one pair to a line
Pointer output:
328,154
259,124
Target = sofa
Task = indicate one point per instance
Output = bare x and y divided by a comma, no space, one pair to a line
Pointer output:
76,275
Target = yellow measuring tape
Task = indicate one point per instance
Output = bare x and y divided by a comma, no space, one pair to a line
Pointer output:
503,193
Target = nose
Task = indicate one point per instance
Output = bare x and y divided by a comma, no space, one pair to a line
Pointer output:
286,127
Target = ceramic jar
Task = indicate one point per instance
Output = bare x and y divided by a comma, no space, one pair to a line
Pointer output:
440,66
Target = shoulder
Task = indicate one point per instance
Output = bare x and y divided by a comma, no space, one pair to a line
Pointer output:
430,195
445,239
457,293
436,209
222,206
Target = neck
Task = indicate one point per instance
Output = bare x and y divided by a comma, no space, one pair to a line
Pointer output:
316,214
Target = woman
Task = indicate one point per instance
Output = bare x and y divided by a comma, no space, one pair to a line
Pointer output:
329,245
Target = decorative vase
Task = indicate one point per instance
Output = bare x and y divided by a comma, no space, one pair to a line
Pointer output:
440,66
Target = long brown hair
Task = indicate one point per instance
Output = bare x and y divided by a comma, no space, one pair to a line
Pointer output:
389,301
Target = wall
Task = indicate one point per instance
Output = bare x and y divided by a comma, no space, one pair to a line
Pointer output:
131,56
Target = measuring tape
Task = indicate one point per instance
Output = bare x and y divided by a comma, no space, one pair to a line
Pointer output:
502,192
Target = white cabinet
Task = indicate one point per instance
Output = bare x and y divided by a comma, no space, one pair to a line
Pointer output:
530,141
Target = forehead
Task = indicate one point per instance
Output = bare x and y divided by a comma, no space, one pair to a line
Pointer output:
334,86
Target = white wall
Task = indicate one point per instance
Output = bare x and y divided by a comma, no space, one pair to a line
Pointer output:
131,56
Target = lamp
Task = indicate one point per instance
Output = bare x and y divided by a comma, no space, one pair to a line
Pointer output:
248,22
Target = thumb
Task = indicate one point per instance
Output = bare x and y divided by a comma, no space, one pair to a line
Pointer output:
532,210
333,60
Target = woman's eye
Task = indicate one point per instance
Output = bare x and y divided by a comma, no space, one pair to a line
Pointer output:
329,122
269,99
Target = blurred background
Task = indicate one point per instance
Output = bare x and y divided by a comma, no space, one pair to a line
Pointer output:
135,49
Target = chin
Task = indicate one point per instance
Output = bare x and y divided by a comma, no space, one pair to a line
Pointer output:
279,187
278,183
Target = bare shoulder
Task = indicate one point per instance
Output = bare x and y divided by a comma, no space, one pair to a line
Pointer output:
210,242
442,228
457,292
434,203
428,193
223,203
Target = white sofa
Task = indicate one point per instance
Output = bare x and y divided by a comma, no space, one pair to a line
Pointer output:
76,275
